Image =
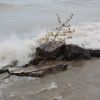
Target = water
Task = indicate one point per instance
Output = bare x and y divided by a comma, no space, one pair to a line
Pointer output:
80,82
21,22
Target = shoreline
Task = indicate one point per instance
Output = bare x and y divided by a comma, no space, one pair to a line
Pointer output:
81,76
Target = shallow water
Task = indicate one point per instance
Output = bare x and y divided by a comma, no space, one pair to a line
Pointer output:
80,82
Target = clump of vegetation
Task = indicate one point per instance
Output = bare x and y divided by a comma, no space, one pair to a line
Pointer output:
63,32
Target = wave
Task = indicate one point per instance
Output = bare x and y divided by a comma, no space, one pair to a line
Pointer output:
16,50
22,50
87,35
6,6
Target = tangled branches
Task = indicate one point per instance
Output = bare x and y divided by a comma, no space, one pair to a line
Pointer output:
63,32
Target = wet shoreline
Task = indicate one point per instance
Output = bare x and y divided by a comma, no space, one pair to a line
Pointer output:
78,82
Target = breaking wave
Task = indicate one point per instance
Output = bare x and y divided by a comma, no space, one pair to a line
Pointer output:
87,35
22,50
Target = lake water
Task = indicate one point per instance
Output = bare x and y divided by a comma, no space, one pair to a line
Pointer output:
22,22
28,16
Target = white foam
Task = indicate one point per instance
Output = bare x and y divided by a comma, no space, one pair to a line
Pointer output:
21,49
17,49
50,86
86,34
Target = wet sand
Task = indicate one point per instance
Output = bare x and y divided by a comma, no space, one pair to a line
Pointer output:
80,82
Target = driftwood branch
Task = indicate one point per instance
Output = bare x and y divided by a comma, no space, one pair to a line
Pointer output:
4,71
37,73
63,52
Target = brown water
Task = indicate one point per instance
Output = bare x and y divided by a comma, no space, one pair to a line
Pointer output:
80,82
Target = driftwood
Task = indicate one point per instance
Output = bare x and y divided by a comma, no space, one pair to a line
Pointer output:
63,52
4,71
95,53
37,73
